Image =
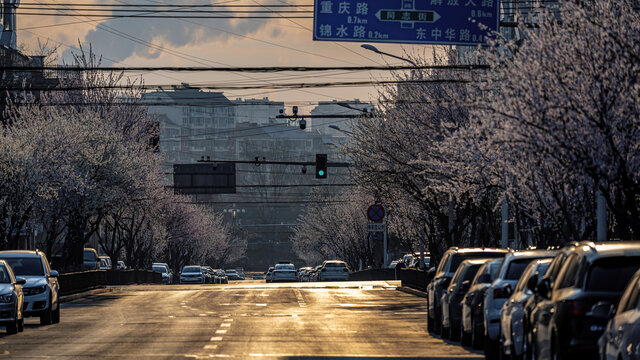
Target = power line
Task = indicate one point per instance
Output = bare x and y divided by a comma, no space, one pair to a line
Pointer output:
258,69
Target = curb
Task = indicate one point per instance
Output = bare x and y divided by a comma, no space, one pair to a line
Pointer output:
71,297
412,291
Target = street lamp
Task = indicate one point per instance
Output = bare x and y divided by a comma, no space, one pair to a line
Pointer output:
375,50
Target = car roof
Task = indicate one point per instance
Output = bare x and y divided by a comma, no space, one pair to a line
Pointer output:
476,261
533,253
20,253
612,248
475,250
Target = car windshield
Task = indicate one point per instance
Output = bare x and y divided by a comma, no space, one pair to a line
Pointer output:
89,255
5,278
162,269
457,259
612,274
191,269
31,266
516,268
285,267
335,265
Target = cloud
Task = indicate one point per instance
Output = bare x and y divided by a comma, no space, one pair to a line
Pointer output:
119,39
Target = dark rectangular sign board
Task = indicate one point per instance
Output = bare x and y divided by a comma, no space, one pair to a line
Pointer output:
445,22
205,178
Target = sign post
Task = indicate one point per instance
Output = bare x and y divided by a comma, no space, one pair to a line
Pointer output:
378,225
444,22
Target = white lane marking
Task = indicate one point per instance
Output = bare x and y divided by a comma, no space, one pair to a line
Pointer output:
228,320
225,325
261,304
216,338
210,347
221,331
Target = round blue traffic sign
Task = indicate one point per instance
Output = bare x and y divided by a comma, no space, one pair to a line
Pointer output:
375,213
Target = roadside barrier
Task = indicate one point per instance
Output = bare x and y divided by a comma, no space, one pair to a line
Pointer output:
71,283
413,278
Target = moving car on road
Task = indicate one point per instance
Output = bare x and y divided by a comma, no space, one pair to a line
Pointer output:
284,272
451,259
41,287
333,270
11,299
621,338
192,274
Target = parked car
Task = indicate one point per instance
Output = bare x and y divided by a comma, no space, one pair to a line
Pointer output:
451,259
334,270
91,260
103,264
284,272
121,265
232,274
41,287
514,314
107,262
499,292
472,330
452,298
222,277
593,275
11,299
302,273
415,263
257,276
316,273
240,272
621,338
208,274
167,276
191,274
269,275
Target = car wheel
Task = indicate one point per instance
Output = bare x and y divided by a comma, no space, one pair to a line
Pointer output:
445,331
47,316
454,329
12,328
55,315
476,337
491,348
464,336
21,325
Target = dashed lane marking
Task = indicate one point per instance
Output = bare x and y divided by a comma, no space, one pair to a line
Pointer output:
221,331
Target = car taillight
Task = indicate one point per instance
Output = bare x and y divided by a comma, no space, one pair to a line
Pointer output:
501,292
578,307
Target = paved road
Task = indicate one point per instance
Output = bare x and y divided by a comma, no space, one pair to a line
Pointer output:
247,320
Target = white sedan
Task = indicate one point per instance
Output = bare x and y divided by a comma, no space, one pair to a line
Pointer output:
284,272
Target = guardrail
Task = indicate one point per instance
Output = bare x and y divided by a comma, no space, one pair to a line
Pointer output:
416,279
71,283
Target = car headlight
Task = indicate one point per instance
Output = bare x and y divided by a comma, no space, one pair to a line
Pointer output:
34,290
6,298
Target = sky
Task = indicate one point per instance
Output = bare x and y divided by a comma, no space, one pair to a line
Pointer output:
211,42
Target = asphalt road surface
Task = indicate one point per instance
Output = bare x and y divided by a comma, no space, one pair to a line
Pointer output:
242,320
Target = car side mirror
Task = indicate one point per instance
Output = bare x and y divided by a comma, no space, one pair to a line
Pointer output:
54,274
603,310
465,285
544,288
21,281
532,283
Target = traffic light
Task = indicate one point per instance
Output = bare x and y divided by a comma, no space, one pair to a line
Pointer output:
321,166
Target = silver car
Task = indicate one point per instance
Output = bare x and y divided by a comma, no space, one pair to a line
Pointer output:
11,299
41,287
333,270
284,272
192,274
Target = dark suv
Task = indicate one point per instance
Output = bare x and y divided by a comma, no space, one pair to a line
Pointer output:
593,275
451,259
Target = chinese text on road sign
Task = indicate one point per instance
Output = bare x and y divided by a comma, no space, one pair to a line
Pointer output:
448,22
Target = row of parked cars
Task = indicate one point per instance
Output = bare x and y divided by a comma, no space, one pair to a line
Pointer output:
411,261
575,302
28,288
329,270
93,261
201,274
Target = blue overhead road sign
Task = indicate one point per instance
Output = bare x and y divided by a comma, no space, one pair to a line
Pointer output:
446,22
